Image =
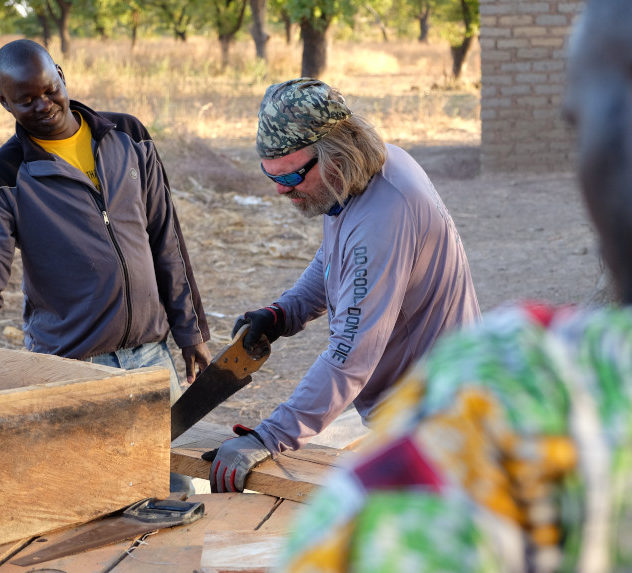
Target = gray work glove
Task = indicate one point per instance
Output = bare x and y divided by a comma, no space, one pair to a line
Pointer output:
234,459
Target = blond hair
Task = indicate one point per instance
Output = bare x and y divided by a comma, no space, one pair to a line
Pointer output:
350,154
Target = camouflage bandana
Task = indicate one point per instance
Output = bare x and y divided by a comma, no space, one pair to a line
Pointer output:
295,114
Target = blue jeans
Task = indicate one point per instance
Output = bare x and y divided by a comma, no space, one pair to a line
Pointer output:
150,354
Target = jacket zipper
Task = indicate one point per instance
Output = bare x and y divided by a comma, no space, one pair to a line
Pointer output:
101,206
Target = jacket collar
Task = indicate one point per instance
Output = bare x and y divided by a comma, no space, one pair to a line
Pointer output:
98,124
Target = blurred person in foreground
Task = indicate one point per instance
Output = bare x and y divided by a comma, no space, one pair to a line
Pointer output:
391,273
507,448
84,196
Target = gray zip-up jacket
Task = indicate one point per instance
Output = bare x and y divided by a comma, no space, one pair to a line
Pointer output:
101,270
392,276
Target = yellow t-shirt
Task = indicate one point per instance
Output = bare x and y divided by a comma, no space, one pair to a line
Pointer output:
76,150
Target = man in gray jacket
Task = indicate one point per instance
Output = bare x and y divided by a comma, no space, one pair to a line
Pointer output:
391,272
85,198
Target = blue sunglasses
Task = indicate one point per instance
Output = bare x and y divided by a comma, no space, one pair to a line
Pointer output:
294,178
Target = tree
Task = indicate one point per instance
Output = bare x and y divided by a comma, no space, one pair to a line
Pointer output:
59,12
101,14
226,18
258,28
278,9
469,12
314,18
176,14
422,15
379,21
44,22
460,22
22,17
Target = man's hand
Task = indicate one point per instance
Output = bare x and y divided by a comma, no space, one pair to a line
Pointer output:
234,460
269,321
198,354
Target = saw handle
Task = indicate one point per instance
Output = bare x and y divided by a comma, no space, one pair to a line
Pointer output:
238,360
152,510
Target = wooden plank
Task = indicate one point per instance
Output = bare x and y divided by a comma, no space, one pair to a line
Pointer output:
283,517
283,477
101,559
237,510
21,368
288,478
292,475
82,447
240,551
180,548
8,550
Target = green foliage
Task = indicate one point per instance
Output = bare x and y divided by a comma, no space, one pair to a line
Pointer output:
226,16
456,19
321,13
180,17
403,15
18,17
446,18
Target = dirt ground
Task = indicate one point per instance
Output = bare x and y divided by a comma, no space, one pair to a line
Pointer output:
525,236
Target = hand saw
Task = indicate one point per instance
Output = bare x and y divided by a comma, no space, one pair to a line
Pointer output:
140,518
228,372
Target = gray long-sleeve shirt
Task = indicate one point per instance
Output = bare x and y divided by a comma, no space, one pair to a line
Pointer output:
392,275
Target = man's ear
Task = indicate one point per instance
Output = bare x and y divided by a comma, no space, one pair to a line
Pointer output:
61,73
3,102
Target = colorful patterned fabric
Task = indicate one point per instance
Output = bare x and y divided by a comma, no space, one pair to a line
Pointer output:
507,448
295,114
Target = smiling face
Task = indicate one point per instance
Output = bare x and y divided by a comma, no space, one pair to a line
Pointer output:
311,197
34,92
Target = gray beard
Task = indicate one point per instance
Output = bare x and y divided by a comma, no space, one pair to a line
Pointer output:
314,205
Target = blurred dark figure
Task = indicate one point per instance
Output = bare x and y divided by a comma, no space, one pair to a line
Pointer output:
507,447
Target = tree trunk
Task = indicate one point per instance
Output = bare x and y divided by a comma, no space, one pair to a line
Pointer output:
314,60
64,34
61,21
378,21
224,42
424,26
45,25
181,25
135,23
227,24
258,28
459,53
287,24
101,31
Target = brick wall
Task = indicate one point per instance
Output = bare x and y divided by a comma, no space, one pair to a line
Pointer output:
523,63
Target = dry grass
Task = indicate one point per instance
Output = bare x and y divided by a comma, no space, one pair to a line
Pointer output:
178,90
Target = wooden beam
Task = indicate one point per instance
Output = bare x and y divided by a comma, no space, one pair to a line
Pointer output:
78,441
